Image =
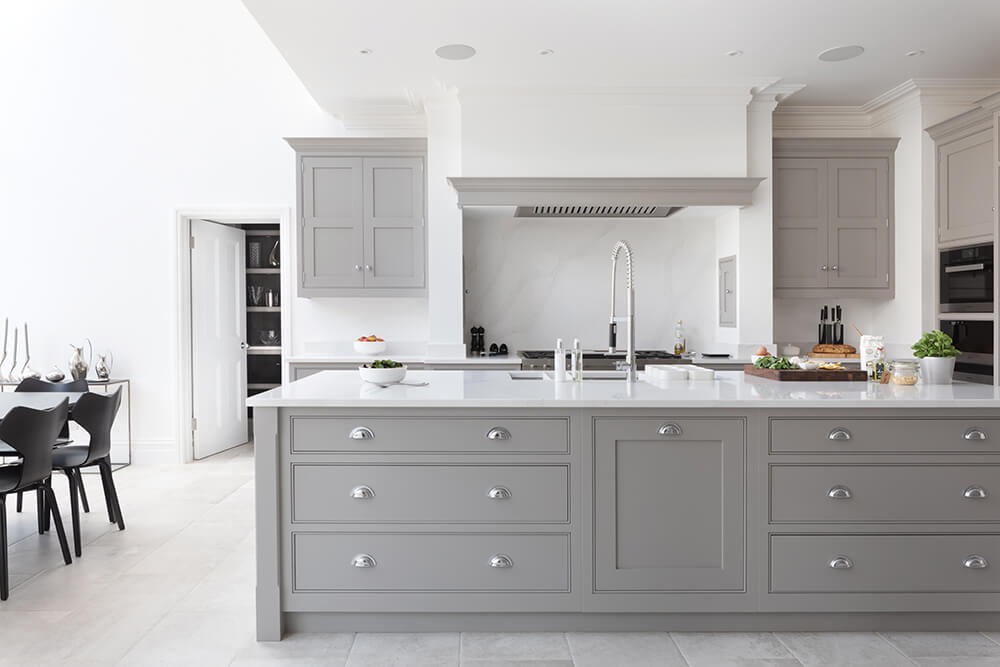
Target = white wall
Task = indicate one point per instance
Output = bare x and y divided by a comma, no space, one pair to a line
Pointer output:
116,114
530,281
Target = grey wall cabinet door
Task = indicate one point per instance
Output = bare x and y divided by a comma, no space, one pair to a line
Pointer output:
727,292
669,509
394,222
965,188
332,243
858,196
801,230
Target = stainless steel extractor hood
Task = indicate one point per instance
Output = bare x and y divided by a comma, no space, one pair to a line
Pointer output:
596,197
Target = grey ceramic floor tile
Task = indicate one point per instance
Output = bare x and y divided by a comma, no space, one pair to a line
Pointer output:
404,650
636,649
300,649
514,646
719,649
957,661
944,644
842,649
521,663
189,638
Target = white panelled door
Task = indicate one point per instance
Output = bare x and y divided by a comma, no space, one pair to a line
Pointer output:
218,335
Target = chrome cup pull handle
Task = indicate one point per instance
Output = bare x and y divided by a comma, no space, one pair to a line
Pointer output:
975,492
501,562
839,433
976,562
975,433
498,433
670,429
841,563
839,493
363,492
361,433
499,493
363,561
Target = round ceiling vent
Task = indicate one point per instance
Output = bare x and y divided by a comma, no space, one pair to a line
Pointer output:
455,52
839,53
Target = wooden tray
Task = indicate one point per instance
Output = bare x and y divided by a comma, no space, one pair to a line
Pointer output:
798,375
831,355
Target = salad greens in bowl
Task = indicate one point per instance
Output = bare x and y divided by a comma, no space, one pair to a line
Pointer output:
383,371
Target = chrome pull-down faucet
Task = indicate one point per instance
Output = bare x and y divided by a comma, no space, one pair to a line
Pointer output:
629,364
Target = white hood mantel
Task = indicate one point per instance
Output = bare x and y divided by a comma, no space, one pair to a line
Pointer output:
665,194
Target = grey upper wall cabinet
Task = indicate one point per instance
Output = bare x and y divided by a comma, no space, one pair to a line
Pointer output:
833,217
361,217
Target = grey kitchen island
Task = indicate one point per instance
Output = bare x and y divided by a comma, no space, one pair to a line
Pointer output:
486,502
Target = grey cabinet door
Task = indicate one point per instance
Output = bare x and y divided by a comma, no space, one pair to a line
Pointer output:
394,222
858,197
800,223
965,188
669,509
332,239
727,292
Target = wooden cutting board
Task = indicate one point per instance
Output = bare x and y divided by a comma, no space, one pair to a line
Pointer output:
832,355
799,375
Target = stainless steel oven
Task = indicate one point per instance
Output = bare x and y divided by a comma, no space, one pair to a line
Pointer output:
975,340
967,279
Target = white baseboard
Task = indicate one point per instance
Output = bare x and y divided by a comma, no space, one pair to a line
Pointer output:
155,452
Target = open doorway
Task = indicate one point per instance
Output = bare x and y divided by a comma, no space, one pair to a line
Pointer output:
231,289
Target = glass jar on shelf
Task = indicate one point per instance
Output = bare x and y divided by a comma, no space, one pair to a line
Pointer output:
904,371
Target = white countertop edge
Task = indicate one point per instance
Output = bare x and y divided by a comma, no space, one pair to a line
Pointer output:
404,358
623,405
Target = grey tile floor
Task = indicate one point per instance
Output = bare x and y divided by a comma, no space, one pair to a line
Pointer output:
176,589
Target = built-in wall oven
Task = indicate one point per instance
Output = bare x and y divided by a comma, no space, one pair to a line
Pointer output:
975,340
967,279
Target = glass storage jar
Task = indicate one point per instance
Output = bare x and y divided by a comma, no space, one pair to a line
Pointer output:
904,371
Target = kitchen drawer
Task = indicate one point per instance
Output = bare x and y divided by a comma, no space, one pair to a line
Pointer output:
430,562
884,493
430,493
884,564
870,436
479,435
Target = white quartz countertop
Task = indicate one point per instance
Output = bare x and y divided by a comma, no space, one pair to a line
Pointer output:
402,358
730,389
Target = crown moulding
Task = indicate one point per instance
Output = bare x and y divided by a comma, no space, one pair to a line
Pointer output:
857,147
597,191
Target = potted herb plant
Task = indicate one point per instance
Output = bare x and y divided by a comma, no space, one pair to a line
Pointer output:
937,357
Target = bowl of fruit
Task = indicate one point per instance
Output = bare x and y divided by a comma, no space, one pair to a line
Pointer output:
369,345
383,371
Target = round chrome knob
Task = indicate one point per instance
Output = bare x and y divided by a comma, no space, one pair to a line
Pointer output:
363,561
839,433
670,429
362,433
976,562
975,433
975,492
499,493
363,492
498,433
501,562
823,268
357,267
729,291
839,492
368,267
841,563
834,268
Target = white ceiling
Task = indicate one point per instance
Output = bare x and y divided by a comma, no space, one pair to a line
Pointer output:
628,43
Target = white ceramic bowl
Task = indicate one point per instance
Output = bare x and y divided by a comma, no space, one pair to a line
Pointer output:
382,375
369,346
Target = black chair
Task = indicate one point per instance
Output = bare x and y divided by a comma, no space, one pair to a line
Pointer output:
31,433
41,386
96,414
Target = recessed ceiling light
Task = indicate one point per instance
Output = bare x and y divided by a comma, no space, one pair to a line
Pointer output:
839,53
455,52
365,52
734,52
918,52
546,52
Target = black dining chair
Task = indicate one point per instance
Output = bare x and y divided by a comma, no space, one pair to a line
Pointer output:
31,433
96,414
41,386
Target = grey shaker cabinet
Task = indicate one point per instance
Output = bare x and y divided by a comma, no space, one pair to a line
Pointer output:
727,291
361,213
965,188
669,507
833,217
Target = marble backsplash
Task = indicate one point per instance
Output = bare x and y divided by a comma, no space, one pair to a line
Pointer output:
530,281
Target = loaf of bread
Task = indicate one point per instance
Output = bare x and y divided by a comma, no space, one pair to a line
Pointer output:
831,348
